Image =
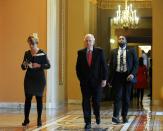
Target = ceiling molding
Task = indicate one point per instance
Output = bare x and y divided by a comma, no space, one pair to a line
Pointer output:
112,4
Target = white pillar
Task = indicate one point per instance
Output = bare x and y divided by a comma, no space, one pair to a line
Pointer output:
52,95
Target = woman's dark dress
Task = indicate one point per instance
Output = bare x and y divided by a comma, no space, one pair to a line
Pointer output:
34,82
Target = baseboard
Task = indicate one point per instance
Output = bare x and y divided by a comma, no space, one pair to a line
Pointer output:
15,105
74,101
54,106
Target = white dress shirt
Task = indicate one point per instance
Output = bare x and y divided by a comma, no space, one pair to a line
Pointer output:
124,67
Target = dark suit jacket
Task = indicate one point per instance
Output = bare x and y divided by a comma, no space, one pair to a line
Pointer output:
96,72
132,62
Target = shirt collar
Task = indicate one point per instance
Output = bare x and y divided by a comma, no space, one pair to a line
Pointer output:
89,49
122,48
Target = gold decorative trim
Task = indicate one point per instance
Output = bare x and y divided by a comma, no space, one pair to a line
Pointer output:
62,13
112,4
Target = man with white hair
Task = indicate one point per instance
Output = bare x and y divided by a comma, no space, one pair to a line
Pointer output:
92,73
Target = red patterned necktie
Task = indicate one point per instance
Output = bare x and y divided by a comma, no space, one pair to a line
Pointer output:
89,57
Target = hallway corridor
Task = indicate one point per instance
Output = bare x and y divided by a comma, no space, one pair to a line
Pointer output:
69,118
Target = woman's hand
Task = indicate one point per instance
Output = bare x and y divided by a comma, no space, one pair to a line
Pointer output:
36,65
25,64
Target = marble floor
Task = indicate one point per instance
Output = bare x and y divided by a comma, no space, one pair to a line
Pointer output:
69,118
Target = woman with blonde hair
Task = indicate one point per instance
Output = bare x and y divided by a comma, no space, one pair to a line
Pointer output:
34,62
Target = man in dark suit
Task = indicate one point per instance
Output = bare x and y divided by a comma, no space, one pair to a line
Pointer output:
122,72
92,73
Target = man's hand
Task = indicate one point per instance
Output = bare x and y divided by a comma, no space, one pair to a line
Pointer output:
109,85
130,77
103,83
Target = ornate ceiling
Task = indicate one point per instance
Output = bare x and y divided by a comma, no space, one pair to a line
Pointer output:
112,4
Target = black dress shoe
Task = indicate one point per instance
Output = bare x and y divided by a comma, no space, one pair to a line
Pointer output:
125,120
115,120
87,126
25,123
98,121
149,95
39,123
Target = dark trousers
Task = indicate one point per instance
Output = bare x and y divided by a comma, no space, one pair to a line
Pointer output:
140,94
27,106
122,92
89,93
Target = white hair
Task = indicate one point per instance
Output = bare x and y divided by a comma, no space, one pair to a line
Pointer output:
89,35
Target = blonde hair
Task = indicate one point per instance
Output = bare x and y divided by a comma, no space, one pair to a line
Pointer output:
33,38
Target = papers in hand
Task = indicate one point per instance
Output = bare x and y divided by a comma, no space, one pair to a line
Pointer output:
40,54
30,65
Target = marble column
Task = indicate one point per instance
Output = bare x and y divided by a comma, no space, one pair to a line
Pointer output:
53,52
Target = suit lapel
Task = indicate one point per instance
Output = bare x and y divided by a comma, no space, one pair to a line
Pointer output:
85,56
116,55
127,56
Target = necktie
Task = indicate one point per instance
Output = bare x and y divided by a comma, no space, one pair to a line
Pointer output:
89,57
121,61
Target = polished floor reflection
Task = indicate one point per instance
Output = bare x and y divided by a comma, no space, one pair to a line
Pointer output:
69,118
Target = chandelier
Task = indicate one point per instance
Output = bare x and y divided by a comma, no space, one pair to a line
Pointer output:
126,18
